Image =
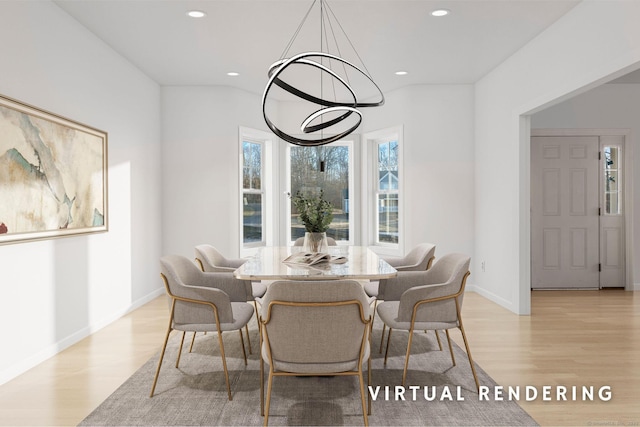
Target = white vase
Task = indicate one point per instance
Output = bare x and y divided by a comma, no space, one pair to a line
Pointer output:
315,242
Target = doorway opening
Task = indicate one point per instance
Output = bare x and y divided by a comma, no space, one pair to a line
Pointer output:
578,209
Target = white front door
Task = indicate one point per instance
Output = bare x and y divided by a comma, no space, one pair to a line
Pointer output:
564,212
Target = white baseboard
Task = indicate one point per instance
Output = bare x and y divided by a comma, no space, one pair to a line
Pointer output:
24,365
493,297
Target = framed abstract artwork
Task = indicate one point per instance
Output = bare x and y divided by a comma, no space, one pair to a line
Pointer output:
53,175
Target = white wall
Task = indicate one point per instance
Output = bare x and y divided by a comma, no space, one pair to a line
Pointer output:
56,292
200,166
200,163
610,106
438,159
592,42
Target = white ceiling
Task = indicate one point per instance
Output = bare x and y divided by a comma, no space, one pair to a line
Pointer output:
247,36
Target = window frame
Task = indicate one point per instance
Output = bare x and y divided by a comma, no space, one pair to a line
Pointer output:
619,173
371,190
266,142
351,142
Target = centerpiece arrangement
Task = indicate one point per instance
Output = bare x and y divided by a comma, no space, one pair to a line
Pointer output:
316,213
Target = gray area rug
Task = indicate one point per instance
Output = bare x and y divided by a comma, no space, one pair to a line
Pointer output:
195,394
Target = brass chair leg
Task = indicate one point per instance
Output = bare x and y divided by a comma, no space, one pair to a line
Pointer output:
266,406
248,338
180,349
384,326
369,384
406,360
373,317
261,386
453,359
193,339
164,347
466,344
255,306
244,353
224,363
438,338
386,353
364,405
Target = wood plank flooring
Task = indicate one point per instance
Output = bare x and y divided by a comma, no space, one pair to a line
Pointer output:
573,338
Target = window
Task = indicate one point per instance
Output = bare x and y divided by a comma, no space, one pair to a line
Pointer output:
327,168
256,210
387,192
612,180
384,188
252,194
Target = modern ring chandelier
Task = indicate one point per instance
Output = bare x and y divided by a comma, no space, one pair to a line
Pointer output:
322,78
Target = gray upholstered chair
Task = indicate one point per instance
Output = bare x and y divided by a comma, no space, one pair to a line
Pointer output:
202,302
429,300
419,258
300,241
315,328
211,260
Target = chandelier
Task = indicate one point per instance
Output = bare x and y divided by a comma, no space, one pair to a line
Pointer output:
326,83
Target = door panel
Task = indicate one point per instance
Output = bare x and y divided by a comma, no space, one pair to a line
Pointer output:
564,212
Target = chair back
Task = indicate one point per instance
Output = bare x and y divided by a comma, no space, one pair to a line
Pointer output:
184,281
212,260
418,259
312,325
450,273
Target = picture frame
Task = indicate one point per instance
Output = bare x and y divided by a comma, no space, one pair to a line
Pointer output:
53,175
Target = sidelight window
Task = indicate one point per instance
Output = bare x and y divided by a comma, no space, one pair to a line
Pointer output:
612,180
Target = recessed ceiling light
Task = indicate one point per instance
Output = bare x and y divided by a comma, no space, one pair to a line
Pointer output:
401,73
196,14
440,12
233,74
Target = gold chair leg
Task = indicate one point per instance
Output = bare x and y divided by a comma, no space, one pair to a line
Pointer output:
373,317
387,351
266,406
364,405
438,338
259,328
224,363
369,384
244,353
180,349
384,326
248,338
255,306
193,339
453,359
406,360
466,344
164,347
261,387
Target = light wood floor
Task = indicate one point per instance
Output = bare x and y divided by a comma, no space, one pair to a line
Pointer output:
573,338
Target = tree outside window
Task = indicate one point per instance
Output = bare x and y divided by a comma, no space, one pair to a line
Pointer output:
252,193
323,168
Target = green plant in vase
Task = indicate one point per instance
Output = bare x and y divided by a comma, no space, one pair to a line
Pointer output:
316,213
